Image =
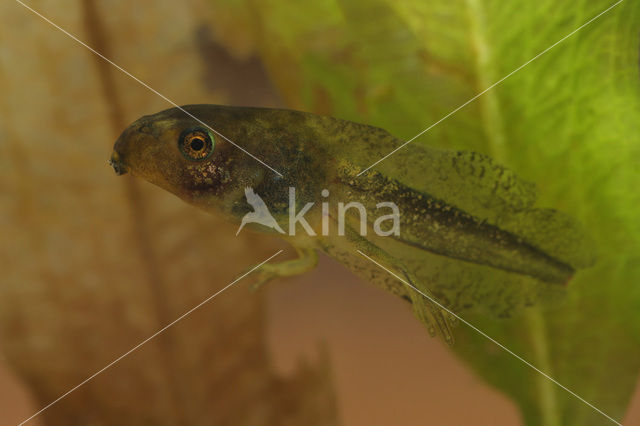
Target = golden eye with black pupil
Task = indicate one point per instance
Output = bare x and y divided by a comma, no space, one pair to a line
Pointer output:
196,144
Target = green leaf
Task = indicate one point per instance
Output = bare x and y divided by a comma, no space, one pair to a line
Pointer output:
567,121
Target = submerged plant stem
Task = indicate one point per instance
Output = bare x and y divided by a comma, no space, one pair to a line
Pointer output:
545,389
486,76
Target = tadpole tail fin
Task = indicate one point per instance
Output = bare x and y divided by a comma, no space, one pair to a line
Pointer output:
555,234
541,243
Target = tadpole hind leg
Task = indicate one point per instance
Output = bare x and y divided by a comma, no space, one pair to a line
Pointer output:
437,320
307,260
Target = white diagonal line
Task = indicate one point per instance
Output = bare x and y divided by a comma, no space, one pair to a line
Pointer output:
493,85
149,338
493,340
148,87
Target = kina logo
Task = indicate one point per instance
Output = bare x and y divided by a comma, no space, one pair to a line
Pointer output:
260,213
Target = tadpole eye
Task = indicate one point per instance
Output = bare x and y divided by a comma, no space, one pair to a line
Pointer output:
196,144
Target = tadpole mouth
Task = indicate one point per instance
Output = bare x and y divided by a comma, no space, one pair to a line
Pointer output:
117,164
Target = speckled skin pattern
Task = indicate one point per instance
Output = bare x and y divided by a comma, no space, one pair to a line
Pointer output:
469,232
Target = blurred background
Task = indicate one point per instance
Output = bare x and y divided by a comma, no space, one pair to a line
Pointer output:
93,263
